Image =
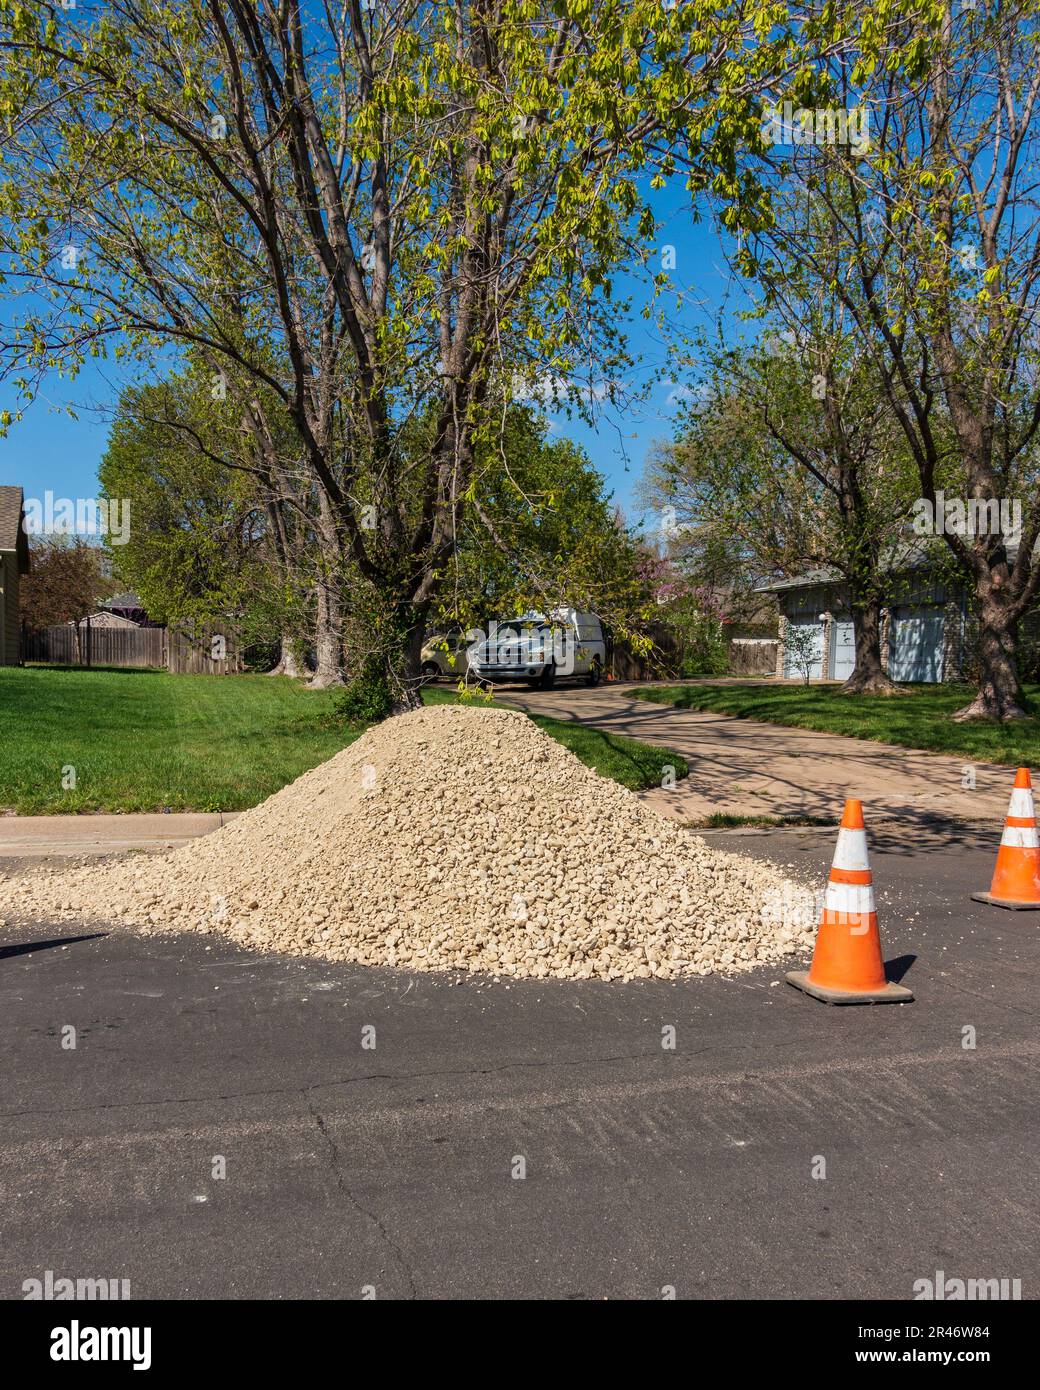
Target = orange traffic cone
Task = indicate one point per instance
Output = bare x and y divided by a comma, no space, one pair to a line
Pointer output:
847,967
1016,879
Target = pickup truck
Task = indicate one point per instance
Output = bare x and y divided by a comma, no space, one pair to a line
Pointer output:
538,648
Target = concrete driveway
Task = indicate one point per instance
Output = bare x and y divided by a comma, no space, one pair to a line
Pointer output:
741,767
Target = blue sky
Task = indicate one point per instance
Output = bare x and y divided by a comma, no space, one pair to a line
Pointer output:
619,444
49,450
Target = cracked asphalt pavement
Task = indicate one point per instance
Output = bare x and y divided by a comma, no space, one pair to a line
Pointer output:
391,1169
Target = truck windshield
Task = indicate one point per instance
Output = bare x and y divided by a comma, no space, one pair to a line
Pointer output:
516,627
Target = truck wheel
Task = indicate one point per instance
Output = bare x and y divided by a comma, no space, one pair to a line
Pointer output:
547,679
595,672
430,671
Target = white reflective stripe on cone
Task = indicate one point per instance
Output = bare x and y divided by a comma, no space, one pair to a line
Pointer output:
1020,837
854,899
1021,803
851,850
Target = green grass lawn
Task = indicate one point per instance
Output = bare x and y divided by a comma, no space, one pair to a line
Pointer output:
920,719
148,741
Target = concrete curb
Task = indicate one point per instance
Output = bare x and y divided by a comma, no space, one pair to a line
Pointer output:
40,835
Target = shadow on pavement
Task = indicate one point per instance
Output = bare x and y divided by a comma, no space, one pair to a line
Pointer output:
926,832
29,947
896,969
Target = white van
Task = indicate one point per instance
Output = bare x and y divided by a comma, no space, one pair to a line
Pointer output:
537,649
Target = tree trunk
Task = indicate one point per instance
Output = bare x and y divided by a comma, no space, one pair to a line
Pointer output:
287,663
1000,693
407,685
328,641
868,675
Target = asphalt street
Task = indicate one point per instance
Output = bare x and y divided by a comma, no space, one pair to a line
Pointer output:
394,1168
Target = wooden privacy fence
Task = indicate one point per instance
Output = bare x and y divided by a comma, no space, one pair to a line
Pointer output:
753,656
98,646
203,652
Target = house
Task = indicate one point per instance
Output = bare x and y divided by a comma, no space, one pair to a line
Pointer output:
14,562
104,619
128,606
924,629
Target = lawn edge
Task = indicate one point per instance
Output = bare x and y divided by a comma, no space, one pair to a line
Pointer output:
1009,761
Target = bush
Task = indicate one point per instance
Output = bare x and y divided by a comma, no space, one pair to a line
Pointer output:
261,656
366,699
705,651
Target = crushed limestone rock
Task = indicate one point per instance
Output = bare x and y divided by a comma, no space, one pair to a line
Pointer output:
452,839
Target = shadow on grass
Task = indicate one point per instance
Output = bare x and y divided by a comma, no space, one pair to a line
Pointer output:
93,670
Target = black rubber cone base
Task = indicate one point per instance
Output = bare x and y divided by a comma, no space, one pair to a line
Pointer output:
1010,903
891,994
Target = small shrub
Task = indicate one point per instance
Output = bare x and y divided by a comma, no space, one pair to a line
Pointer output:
705,651
366,699
258,657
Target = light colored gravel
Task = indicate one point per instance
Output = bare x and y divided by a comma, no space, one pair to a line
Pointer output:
451,839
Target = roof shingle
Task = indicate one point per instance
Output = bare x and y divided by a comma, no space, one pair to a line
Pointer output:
12,536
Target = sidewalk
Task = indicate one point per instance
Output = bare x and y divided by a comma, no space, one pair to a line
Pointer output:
22,836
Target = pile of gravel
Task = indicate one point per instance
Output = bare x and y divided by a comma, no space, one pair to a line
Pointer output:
452,839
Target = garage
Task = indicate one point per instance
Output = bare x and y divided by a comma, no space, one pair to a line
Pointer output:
923,625
916,643
812,627
843,649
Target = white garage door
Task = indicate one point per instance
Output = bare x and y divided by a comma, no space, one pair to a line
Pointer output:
843,649
807,636
916,644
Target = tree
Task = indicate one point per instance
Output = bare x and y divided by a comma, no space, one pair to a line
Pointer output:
802,649
212,537
542,532
790,446
64,584
693,615
390,214
930,242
